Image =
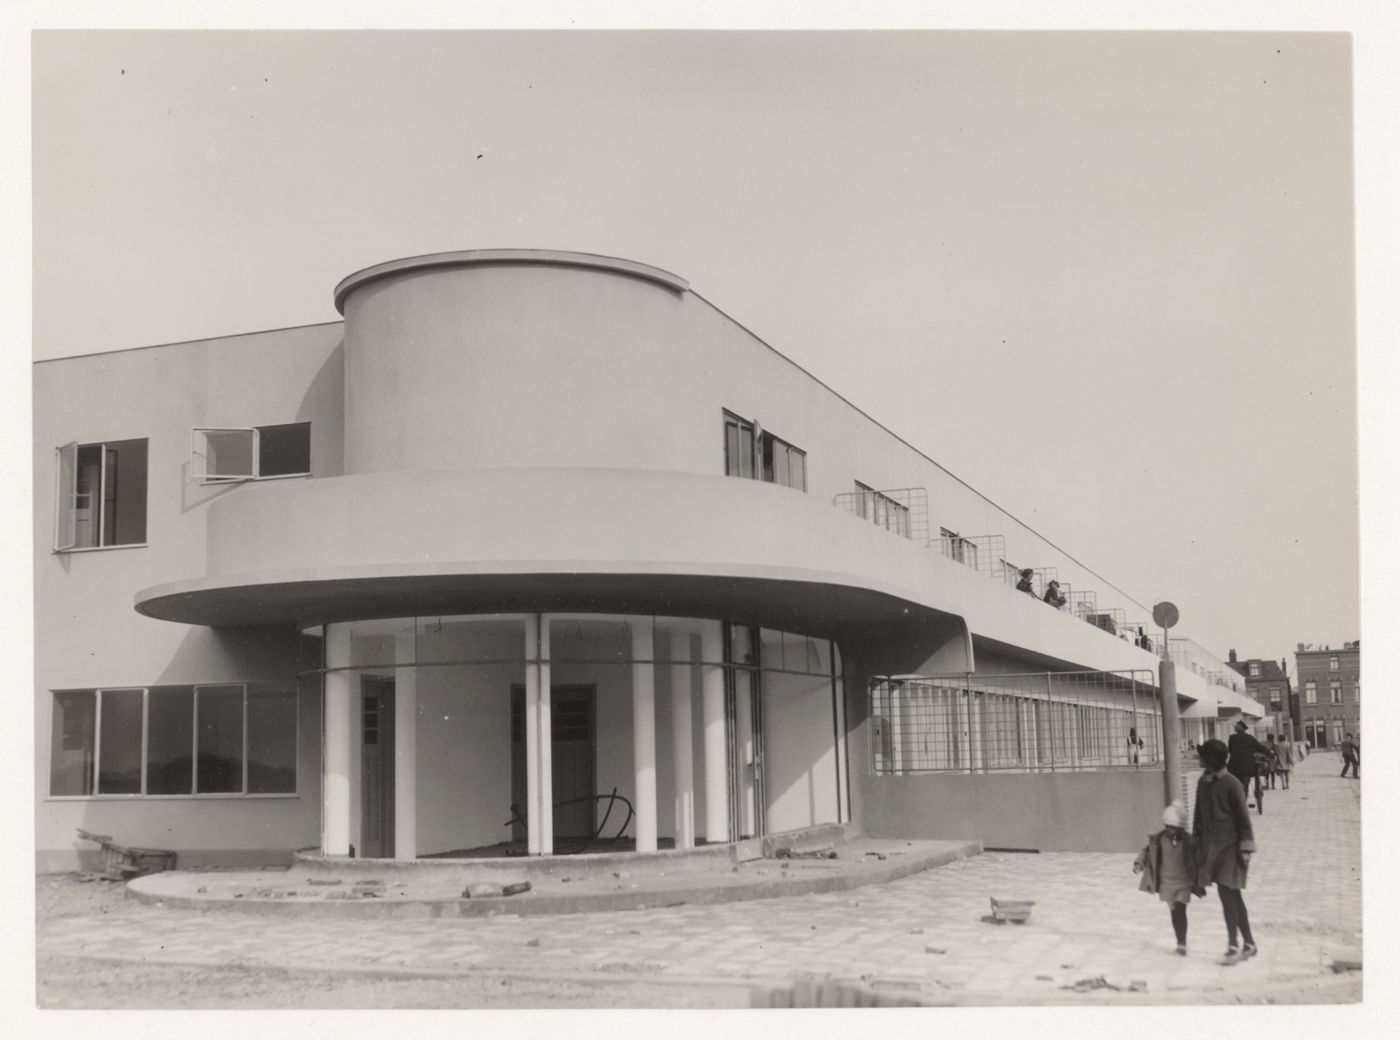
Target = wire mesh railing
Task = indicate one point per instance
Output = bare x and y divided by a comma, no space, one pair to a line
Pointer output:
984,553
1188,655
902,511
1084,721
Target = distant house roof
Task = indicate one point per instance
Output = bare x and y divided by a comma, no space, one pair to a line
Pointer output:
1268,670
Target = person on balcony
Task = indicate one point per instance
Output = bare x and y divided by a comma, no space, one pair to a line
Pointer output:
1026,584
1054,596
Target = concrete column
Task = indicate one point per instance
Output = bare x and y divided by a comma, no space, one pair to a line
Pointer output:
532,736
644,731
682,739
716,742
339,747
546,744
405,746
743,731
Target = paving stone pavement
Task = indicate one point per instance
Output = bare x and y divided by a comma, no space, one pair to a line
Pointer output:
924,935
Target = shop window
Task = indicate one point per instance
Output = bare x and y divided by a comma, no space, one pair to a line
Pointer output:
101,495
174,740
752,452
226,454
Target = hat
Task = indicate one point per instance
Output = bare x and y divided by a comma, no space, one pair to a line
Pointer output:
1027,573
1174,815
1241,725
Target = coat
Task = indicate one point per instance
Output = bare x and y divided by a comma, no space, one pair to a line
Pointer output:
1222,830
1285,754
1169,869
1243,748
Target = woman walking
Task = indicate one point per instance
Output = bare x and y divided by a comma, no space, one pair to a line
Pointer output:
1226,839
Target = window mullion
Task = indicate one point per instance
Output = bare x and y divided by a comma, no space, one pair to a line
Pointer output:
145,732
244,789
257,453
194,745
97,744
100,513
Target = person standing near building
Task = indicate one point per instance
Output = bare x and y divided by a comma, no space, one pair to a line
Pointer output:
1351,758
1026,584
1285,759
1271,766
1242,749
1222,829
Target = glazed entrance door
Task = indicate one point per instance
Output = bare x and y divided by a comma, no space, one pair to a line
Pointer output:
377,768
572,761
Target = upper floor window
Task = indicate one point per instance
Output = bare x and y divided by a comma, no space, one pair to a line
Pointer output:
1275,701
1254,669
1357,691
1334,664
1310,692
101,495
750,451
251,452
1334,689
881,509
964,550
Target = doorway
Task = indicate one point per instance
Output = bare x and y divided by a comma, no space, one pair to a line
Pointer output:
377,768
572,761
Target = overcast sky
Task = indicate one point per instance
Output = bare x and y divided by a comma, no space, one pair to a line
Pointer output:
1104,278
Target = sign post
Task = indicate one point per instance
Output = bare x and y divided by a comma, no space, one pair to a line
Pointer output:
1166,615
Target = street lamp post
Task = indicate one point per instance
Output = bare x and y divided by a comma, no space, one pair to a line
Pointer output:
1166,615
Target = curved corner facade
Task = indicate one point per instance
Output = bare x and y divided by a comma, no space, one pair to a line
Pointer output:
551,529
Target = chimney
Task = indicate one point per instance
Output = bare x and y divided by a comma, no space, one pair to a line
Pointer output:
1233,659
1302,647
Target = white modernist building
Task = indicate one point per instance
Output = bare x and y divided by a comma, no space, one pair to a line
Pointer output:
537,550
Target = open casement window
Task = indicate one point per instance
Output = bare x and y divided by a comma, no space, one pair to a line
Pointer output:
234,453
101,495
752,452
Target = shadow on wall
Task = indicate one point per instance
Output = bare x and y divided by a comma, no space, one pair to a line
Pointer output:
263,653
323,405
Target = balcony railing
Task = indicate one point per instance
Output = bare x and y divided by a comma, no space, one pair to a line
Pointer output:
1035,722
902,511
983,553
1190,656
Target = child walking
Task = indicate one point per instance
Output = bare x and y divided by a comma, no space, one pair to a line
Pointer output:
1168,867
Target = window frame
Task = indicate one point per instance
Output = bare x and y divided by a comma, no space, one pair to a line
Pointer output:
1334,692
882,510
255,434
246,690
1310,692
1334,663
762,463
66,474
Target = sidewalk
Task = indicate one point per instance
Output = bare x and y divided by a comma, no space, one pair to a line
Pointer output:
923,935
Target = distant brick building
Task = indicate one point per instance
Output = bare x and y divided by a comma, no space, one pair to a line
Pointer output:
1268,683
1329,693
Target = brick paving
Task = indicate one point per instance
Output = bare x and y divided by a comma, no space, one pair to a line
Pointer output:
924,935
